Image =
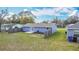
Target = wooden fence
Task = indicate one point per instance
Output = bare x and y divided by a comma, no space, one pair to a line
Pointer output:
48,33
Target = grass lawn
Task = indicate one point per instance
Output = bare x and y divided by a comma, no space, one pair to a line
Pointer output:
36,42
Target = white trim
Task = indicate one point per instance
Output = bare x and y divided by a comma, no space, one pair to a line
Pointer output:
72,28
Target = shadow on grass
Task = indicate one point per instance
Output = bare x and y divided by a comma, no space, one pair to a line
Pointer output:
59,35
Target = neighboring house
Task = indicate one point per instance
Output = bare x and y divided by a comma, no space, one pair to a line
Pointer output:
39,27
17,25
30,27
11,27
5,27
73,32
16,28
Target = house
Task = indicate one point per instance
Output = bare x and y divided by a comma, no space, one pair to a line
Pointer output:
39,27
15,28
11,27
5,27
73,32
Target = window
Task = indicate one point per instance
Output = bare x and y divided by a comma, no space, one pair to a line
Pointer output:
47,28
76,33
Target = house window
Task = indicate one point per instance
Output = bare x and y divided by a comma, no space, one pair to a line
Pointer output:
74,39
76,33
48,28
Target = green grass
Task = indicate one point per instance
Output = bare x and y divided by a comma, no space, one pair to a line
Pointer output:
36,42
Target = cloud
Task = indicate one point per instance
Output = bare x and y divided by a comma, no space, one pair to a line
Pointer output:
11,13
57,11
43,12
73,13
60,12
25,10
38,20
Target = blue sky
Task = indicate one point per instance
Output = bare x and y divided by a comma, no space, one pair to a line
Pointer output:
46,13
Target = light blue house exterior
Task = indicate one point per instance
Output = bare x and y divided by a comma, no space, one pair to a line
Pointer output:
39,27
73,32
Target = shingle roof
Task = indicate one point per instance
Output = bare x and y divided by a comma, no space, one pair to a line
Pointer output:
39,25
75,26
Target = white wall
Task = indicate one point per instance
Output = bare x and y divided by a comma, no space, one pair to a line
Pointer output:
54,28
26,29
70,33
39,29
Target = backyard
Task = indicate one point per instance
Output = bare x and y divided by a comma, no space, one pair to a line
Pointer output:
36,42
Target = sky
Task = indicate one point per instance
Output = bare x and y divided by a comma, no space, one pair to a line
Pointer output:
46,13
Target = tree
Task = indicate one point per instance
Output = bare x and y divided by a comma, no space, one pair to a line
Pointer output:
14,19
2,15
0,21
30,19
45,22
71,20
26,17
59,22
23,20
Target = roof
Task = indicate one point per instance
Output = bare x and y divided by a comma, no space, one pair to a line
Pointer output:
12,25
73,26
17,25
6,24
39,25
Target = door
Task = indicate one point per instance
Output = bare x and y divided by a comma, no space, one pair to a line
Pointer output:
74,39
